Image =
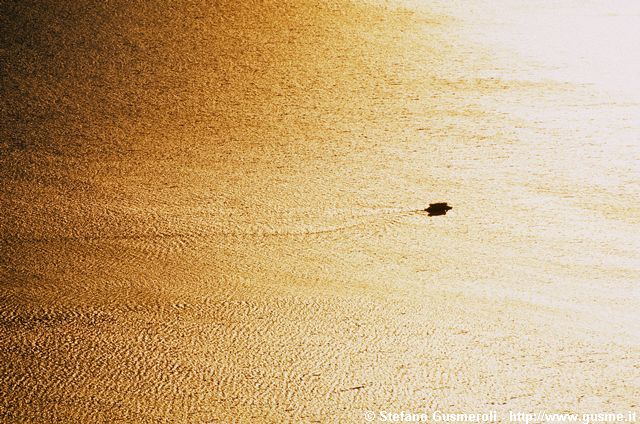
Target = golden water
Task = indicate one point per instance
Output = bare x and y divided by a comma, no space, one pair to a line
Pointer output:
211,212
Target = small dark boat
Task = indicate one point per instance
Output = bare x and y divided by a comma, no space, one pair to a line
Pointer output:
435,209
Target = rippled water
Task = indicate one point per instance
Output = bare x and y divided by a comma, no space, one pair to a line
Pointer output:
213,212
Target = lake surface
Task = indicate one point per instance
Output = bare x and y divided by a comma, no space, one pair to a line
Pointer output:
212,213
